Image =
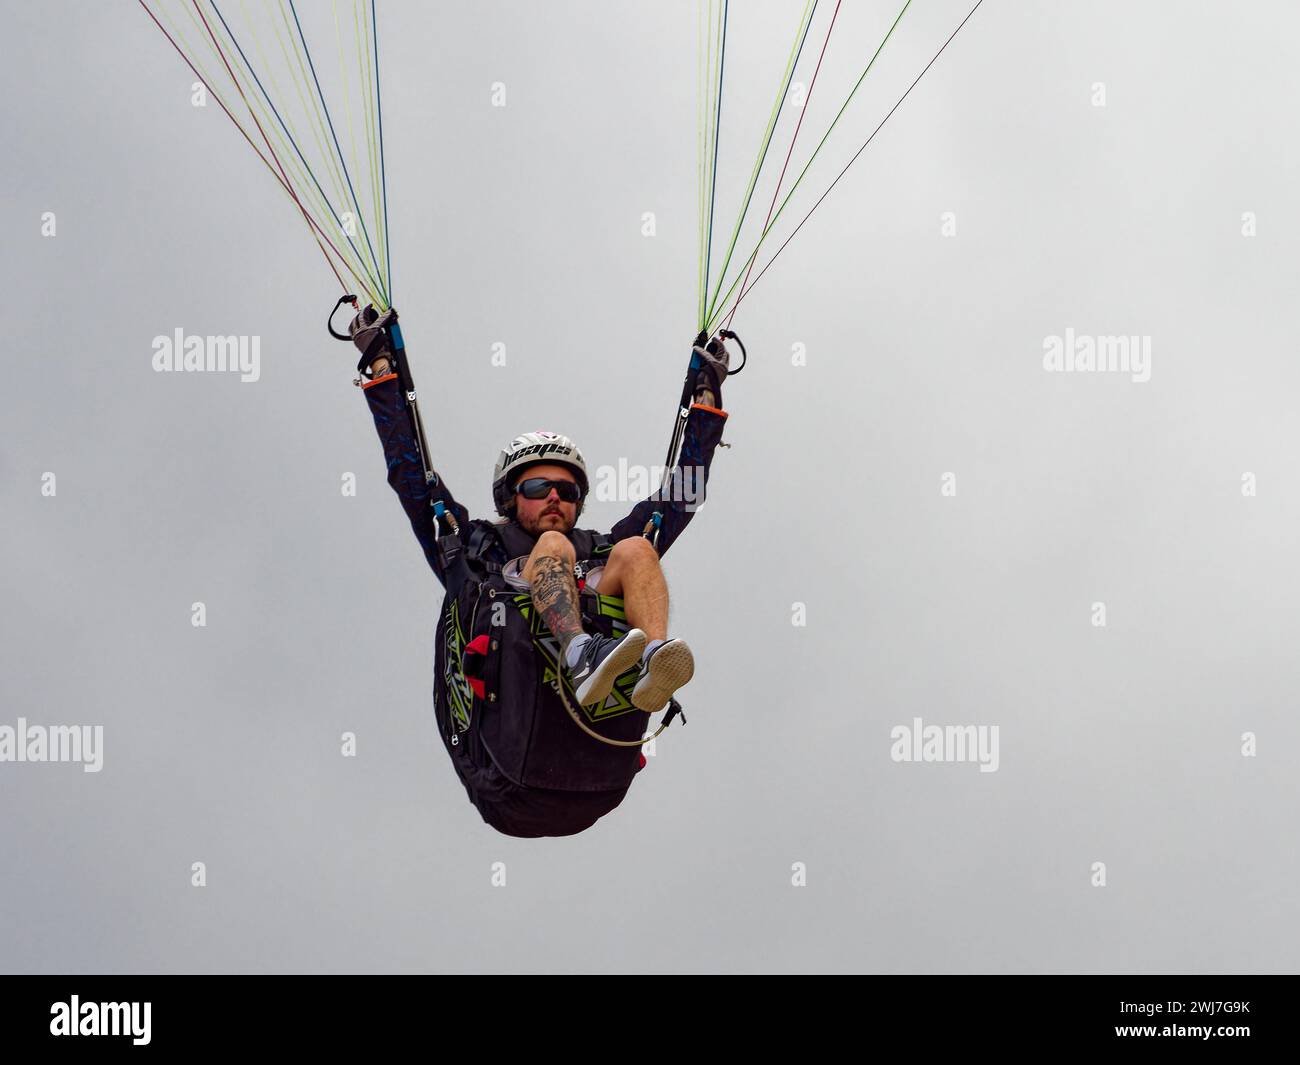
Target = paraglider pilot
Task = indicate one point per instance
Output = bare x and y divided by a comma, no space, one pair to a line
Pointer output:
536,608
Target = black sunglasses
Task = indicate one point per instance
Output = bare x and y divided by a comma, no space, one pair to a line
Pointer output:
540,488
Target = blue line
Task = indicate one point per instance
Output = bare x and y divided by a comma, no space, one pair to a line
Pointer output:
383,177
289,136
717,129
342,162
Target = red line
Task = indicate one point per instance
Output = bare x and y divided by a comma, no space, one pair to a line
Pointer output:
265,139
311,221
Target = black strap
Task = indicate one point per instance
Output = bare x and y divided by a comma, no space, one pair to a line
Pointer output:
481,541
377,344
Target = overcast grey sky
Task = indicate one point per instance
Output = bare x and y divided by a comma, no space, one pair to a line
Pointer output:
1120,744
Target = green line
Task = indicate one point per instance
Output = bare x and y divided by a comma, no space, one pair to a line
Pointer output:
707,161
783,87
713,314
363,28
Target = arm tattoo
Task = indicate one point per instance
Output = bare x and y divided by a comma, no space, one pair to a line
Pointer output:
556,596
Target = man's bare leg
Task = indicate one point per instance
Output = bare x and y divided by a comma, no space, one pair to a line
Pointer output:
595,662
555,593
634,572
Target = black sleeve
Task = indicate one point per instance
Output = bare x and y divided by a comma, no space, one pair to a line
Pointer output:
686,485
405,470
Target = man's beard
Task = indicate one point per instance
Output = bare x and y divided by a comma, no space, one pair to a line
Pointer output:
535,526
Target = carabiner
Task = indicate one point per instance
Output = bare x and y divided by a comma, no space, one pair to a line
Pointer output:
329,322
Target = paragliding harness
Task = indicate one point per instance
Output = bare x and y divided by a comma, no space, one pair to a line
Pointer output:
501,690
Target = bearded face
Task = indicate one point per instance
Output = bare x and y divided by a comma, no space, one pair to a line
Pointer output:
537,516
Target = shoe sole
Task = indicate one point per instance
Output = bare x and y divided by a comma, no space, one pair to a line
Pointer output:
596,688
671,666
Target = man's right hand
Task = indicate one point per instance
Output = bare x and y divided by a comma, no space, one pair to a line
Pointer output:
716,360
368,334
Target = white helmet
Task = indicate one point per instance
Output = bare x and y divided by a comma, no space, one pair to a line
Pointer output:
534,449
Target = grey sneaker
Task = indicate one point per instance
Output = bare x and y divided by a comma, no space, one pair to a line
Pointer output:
602,661
671,666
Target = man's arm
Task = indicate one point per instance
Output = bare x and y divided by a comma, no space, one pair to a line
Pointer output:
684,492
405,470
677,502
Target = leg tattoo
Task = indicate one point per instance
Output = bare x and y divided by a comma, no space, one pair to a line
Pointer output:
555,594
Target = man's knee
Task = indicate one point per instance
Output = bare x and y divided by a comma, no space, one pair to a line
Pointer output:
634,549
555,544
550,544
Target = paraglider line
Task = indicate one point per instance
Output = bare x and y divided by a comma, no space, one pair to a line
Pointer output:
319,233
767,145
823,196
326,107
383,177
289,137
798,126
717,129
